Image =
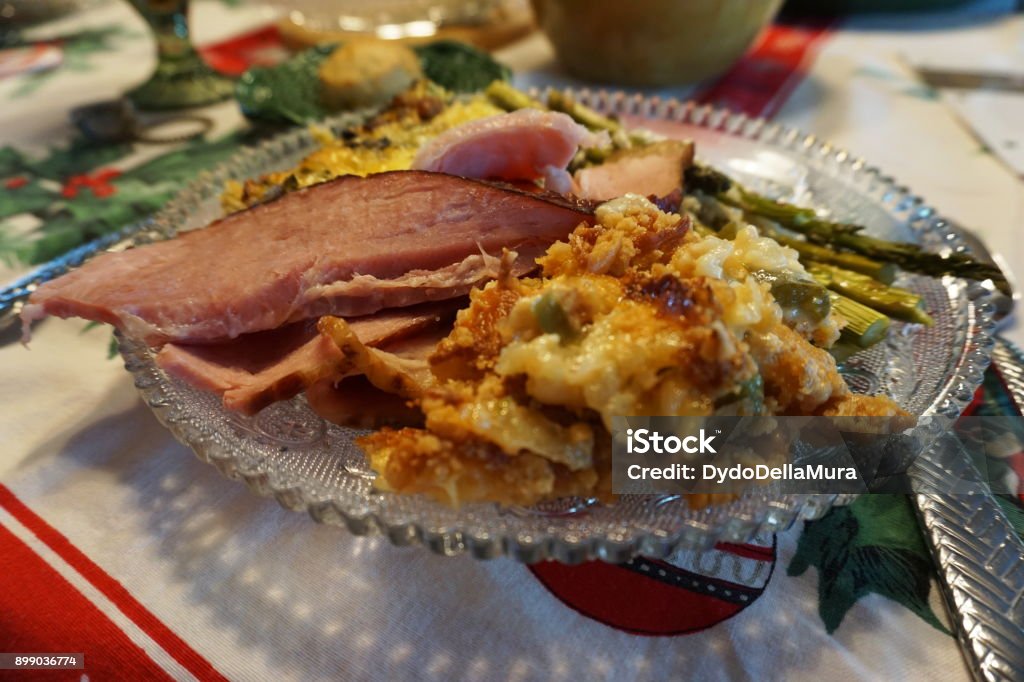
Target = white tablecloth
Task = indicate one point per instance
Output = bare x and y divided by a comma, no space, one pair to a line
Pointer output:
258,592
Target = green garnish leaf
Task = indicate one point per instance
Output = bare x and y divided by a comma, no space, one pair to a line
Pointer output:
459,67
290,92
286,93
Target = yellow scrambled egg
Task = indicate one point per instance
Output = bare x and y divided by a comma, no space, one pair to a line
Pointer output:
389,142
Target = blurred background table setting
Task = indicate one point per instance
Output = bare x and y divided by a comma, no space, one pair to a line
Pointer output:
167,569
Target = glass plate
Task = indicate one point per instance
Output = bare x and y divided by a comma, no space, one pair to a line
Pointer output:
307,464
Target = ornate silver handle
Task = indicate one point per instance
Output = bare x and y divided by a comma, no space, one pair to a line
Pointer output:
980,560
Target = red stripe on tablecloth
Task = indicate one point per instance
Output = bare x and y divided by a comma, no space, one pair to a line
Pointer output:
178,649
761,82
747,551
41,612
261,47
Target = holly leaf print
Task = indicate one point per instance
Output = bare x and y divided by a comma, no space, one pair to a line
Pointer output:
870,546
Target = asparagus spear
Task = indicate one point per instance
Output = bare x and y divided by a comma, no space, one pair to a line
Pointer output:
508,98
872,258
707,180
864,327
594,120
723,188
876,270
843,351
899,303
844,235
911,257
558,101
712,213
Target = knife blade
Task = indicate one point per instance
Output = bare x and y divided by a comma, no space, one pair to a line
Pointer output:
971,80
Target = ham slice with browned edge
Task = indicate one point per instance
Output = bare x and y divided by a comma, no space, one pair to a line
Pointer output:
527,144
348,247
359,401
261,368
655,170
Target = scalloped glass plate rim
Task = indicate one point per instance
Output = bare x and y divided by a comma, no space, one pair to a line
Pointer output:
736,521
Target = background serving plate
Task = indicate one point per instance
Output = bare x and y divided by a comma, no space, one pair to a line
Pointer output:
307,464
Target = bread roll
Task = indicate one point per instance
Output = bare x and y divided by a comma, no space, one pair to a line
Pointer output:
366,73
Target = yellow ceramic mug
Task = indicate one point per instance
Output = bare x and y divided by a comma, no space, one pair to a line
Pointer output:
651,42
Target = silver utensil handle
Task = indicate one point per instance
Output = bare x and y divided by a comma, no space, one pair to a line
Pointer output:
14,295
980,560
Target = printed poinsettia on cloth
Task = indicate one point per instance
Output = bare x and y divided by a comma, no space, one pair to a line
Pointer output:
875,545
76,193
871,546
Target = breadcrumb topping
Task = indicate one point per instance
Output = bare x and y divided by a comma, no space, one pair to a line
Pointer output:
632,315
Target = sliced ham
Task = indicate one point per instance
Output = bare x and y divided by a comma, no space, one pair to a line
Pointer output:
260,368
655,170
369,401
527,144
401,369
256,369
348,247
357,403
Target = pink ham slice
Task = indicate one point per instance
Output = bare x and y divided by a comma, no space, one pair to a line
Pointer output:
258,369
655,170
526,144
360,401
348,247
357,403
